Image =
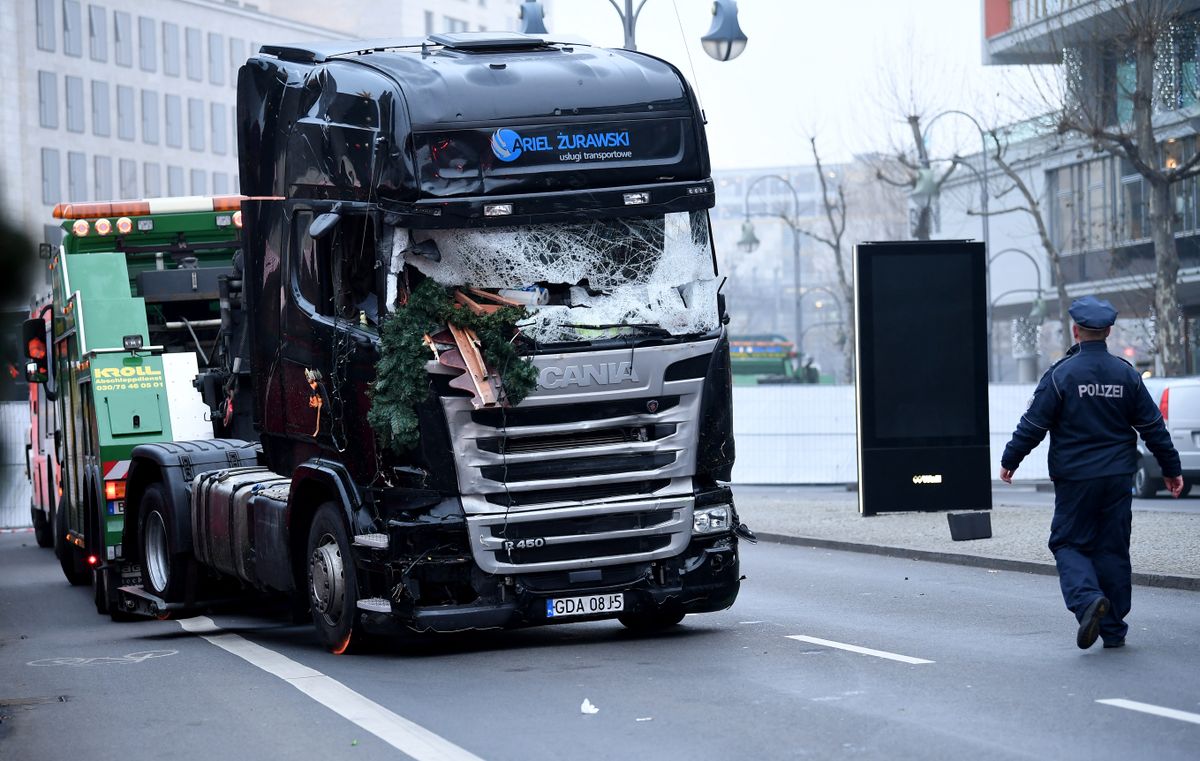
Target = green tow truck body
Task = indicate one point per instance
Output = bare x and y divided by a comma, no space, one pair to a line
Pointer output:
136,316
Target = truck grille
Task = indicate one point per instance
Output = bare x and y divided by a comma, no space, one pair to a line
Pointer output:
575,468
573,537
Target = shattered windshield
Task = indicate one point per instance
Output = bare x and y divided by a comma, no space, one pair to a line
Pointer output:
581,281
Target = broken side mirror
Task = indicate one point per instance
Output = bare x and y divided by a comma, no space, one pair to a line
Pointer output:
33,336
324,224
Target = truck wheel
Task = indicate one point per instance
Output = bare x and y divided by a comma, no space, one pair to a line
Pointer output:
652,620
164,567
68,554
1187,488
332,582
1143,485
43,529
106,598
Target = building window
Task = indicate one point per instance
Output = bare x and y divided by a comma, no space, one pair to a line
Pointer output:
220,183
195,124
170,39
237,57
428,22
125,117
46,31
220,142
127,173
102,178
147,44
74,88
175,181
173,106
152,179
47,100
454,24
193,44
216,58
101,121
150,117
51,181
72,29
97,34
199,182
123,38
76,177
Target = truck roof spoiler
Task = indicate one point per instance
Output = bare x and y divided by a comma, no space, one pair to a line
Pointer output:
476,42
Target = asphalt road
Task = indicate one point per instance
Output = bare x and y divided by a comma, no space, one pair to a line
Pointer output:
769,679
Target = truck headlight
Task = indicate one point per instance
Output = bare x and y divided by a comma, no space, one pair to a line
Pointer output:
712,520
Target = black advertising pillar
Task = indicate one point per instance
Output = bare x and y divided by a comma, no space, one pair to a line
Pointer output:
922,375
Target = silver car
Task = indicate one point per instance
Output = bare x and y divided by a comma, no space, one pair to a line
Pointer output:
1179,400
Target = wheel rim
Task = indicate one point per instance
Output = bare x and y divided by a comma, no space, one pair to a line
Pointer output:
327,581
157,564
1139,481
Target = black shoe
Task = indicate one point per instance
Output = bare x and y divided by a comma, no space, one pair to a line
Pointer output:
1089,623
1115,642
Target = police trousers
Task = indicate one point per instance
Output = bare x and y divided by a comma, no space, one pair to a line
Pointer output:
1089,537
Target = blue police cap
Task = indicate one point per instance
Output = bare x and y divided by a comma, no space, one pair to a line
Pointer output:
1091,312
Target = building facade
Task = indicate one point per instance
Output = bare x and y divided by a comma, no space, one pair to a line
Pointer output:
123,99
1094,203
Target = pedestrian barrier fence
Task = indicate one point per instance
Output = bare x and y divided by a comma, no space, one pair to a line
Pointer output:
787,434
14,483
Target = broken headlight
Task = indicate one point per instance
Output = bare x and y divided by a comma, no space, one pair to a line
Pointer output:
712,520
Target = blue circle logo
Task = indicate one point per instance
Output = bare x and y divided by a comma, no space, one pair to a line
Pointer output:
506,144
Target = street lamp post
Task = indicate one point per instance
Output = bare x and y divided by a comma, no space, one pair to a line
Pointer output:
1027,361
750,242
983,209
724,41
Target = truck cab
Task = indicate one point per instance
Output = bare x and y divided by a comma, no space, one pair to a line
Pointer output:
570,180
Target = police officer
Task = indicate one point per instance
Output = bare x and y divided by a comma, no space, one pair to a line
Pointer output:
1091,403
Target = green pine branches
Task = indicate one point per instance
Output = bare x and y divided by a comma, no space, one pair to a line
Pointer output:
400,379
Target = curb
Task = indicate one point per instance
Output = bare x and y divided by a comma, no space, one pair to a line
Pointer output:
1164,581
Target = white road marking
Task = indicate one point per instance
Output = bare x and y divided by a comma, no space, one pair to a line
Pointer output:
1169,713
395,730
857,649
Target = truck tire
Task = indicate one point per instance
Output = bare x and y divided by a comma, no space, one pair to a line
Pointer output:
68,554
43,528
651,620
332,582
164,567
1144,486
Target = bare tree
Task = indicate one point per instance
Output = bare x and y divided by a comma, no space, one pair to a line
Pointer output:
833,203
1139,35
918,176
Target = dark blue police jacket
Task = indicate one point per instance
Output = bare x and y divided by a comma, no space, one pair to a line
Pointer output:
1091,403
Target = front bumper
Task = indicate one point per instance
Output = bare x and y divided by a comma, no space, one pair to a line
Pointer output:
705,577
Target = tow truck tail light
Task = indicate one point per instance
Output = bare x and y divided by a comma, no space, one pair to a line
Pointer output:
103,227
124,225
1165,403
92,560
114,490
81,228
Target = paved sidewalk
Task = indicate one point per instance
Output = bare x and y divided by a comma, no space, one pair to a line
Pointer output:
1165,548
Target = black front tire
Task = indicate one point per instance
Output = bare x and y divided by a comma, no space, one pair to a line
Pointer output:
655,620
164,566
1144,486
69,557
43,528
332,582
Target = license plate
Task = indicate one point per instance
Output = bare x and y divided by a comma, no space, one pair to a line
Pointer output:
586,605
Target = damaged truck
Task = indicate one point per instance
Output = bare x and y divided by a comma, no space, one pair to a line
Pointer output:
477,374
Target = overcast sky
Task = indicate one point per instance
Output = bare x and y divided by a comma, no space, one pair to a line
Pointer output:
814,66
